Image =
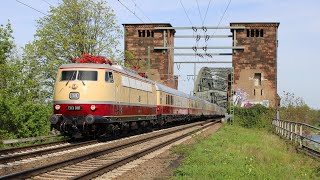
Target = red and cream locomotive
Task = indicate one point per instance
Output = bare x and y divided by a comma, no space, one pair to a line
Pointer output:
97,99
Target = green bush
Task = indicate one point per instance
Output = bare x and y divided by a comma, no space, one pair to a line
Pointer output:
256,116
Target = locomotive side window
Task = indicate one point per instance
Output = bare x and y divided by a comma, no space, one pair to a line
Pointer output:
167,101
109,77
88,75
68,75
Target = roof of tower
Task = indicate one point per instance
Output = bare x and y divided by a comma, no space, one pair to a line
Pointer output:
141,24
256,23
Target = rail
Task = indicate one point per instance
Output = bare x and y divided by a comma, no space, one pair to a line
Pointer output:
24,140
298,133
73,160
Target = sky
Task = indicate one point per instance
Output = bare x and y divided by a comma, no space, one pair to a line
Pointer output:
299,38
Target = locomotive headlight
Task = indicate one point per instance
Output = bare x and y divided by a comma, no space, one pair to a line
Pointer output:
57,107
89,119
93,107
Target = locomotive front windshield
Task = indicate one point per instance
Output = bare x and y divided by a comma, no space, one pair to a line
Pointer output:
88,75
68,75
79,75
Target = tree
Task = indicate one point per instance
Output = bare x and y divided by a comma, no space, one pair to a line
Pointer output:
130,61
6,42
73,28
294,108
6,46
23,107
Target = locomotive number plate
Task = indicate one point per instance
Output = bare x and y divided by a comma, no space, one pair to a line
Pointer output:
73,108
74,95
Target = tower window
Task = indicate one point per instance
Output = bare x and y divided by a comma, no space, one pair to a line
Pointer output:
254,32
257,33
148,33
257,79
142,33
254,92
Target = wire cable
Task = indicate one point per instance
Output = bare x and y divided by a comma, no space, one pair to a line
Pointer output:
186,13
222,16
137,5
47,2
31,7
199,12
131,11
205,16
226,9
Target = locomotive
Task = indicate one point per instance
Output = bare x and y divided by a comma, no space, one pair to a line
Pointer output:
98,99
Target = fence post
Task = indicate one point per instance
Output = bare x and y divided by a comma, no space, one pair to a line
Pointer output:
291,135
272,125
301,135
295,132
282,130
288,130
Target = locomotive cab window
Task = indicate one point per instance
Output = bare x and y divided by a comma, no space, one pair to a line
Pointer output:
88,75
68,75
109,77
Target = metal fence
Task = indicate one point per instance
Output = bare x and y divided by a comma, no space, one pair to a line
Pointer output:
298,133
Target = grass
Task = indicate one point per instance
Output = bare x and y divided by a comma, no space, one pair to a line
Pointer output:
235,152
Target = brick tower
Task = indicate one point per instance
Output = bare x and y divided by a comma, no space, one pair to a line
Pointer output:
140,40
255,67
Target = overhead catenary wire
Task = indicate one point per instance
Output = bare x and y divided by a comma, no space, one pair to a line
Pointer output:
138,7
186,12
219,23
203,27
205,32
31,7
47,2
131,11
205,16
223,15
199,12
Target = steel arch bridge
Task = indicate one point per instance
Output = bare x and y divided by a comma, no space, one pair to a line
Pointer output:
212,85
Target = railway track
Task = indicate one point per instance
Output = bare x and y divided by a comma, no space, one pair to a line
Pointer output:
4,152
96,163
39,151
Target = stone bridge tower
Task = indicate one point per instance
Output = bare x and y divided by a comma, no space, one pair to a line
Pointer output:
140,40
255,67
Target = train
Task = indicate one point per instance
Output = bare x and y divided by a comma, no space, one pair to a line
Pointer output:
92,99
